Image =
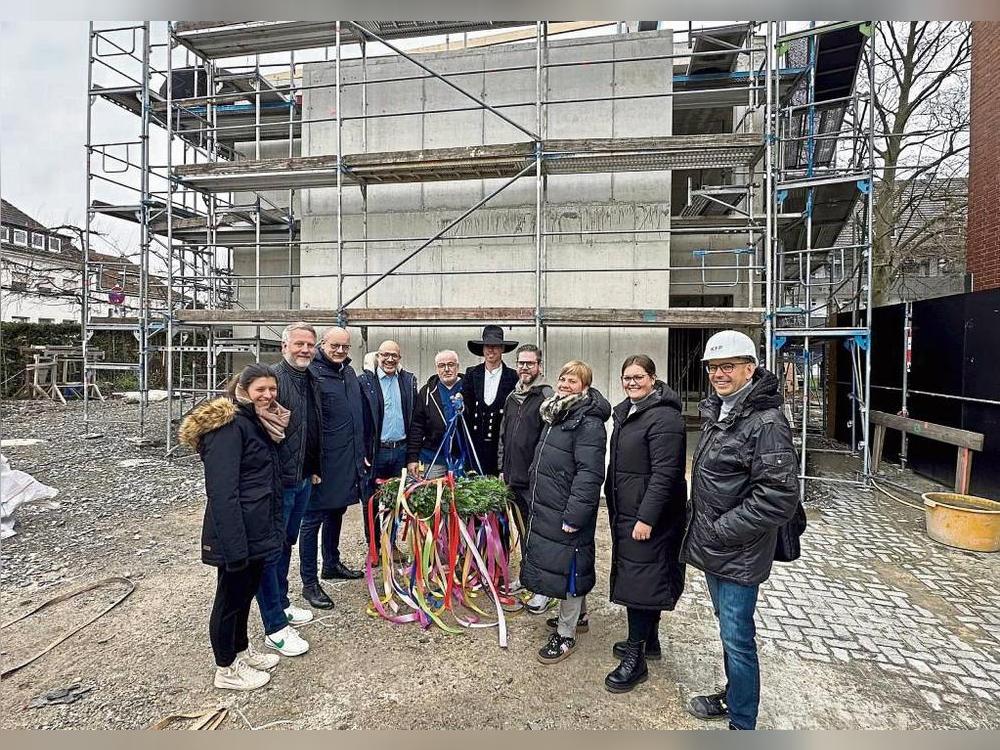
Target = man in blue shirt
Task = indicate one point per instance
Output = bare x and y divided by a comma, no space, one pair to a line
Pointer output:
390,392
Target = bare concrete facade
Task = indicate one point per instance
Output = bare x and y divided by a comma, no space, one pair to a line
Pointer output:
468,272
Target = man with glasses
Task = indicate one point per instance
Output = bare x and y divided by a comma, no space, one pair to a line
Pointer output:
390,393
520,429
744,487
346,458
436,405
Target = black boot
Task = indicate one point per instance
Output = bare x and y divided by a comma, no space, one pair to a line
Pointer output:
653,652
339,570
317,597
631,671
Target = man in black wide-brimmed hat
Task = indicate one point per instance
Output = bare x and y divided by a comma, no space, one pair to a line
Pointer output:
485,389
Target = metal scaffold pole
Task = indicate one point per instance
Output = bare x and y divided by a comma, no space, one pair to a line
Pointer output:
85,279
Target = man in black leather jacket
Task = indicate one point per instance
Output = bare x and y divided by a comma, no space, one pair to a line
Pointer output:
744,487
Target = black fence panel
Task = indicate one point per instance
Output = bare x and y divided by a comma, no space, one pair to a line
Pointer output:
955,351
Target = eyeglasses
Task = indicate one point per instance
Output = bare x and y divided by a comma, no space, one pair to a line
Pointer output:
726,367
633,378
526,364
447,365
340,347
389,357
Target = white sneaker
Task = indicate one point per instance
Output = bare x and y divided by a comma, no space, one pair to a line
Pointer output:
539,604
515,587
287,642
240,676
298,615
256,660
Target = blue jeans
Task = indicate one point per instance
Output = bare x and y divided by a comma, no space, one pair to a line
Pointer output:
734,606
309,536
389,462
272,594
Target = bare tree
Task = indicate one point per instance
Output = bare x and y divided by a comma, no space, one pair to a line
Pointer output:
921,146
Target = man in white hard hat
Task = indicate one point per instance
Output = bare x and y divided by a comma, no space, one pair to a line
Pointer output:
743,489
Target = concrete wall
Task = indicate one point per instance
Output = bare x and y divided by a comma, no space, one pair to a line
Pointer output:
574,204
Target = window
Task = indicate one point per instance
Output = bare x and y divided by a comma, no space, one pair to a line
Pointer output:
46,320
55,245
38,241
4,234
20,237
19,318
68,321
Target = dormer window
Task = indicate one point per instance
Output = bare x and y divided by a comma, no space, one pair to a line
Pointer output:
55,244
4,234
20,237
38,241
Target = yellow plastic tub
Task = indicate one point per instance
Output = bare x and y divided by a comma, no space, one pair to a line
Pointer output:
963,521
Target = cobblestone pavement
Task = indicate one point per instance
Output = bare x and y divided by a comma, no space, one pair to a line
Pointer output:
875,597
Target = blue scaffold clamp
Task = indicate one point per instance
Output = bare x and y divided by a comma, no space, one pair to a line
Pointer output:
779,341
861,340
780,196
865,186
701,253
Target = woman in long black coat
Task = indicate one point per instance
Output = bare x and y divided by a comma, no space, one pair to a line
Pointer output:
646,494
566,477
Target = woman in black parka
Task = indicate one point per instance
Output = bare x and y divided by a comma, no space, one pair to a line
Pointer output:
647,495
237,437
566,477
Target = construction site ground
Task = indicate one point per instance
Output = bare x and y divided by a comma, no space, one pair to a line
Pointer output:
876,626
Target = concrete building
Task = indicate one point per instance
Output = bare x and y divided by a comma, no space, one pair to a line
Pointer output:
586,265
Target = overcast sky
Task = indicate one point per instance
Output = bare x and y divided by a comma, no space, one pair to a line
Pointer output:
43,109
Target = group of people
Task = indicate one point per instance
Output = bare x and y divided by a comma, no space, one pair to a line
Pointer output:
291,447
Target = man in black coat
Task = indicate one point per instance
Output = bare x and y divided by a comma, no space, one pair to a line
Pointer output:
299,464
744,487
435,406
390,393
345,460
485,390
520,429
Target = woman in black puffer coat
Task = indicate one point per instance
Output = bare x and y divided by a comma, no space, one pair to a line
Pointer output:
566,478
237,437
647,495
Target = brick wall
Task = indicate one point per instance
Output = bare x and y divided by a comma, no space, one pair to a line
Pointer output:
983,249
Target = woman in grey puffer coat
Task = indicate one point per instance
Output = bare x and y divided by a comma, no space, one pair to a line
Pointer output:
566,478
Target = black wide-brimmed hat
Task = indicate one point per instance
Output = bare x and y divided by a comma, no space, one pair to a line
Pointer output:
492,336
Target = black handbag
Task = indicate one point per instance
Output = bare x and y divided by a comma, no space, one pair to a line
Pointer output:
788,548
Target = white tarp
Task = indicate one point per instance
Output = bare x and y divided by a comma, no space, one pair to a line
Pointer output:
20,488
133,397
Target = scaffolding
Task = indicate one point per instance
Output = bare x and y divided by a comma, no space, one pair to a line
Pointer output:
226,104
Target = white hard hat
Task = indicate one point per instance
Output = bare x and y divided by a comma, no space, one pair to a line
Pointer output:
727,344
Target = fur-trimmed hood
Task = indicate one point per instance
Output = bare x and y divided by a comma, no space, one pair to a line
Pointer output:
204,419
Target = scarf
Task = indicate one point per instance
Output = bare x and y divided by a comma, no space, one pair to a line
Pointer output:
521,391
274,419
555,407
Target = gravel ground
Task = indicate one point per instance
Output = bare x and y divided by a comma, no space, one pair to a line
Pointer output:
129,511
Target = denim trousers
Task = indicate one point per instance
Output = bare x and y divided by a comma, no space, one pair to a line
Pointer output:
389,463
272,594
734,606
